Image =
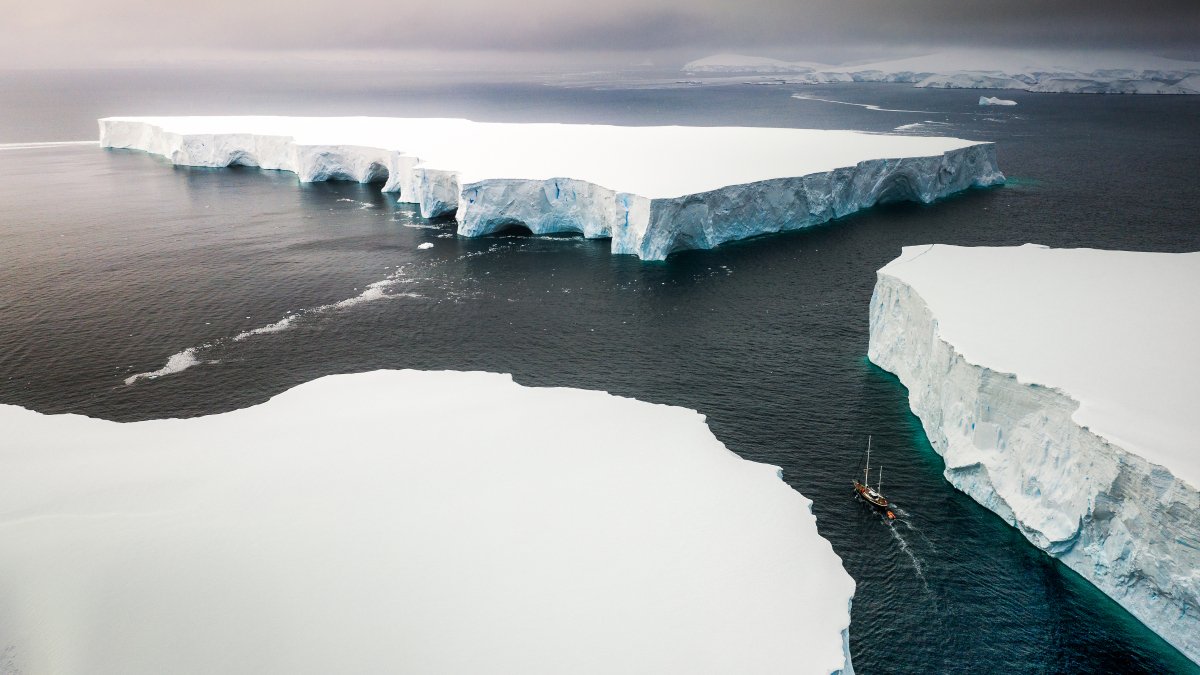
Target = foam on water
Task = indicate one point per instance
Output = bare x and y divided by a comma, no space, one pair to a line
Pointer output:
46,144
177,363
189,357
277,327
915,126
868,106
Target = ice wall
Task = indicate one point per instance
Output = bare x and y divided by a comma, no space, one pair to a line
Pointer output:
1078,72
652,190
1056,385
356,524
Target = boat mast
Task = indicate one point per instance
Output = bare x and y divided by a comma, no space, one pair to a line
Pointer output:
879,488
867,468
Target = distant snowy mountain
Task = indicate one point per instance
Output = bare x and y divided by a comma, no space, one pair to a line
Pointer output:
1106,72
740,63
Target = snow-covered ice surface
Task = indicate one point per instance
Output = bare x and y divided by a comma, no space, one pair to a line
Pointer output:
652,190
1050,71
992,100
1060,386
354,524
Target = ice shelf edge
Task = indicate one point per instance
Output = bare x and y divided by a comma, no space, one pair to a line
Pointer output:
1013,447
650,229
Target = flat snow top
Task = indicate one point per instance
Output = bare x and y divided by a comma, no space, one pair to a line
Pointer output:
404,521
648,161
1115,330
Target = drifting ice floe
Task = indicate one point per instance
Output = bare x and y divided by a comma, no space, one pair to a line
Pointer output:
1060,387
992,100
652,190
355,524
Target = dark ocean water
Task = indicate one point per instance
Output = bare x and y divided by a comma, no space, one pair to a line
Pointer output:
113,261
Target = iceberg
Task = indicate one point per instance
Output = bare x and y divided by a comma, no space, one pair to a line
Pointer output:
355,524
992,100
651,190
1060,388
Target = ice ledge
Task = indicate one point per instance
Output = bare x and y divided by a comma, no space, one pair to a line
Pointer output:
652,190
1126,524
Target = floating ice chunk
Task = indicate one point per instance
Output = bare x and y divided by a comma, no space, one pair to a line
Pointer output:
425,246
992,100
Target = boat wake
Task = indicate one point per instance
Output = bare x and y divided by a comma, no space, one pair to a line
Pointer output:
912,557
902,518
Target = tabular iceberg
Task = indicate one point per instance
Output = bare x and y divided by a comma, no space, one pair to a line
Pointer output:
355,524
652,190
992,100
1060,388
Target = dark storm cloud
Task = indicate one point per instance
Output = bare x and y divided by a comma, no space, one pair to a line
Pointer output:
50,32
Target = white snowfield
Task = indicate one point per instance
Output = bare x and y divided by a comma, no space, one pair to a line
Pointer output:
1078,72
356,524
1060,386
652,190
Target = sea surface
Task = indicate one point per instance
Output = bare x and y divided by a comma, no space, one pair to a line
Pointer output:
233,285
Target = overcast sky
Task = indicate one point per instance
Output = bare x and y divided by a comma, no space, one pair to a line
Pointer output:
55,33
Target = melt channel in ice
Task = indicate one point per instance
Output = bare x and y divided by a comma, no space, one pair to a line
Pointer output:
652,190
357,524
1061,388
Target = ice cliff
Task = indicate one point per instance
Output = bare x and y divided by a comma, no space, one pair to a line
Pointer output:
1060,388
652,190
355,524
1079,72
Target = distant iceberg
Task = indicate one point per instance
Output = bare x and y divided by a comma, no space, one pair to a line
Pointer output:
1060,387
355,524
651,190
992,100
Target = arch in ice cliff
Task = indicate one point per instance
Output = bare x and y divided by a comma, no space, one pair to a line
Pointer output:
900,186
376,173
242,158
510,226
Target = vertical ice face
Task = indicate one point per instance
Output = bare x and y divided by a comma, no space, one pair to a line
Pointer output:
652,190
1058,386
356,524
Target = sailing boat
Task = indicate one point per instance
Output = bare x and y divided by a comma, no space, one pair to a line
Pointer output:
874,496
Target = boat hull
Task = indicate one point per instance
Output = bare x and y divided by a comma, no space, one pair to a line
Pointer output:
870,496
